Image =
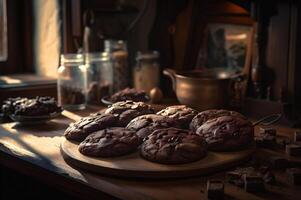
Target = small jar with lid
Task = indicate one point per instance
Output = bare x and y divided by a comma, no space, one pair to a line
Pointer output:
72,82
100,76
146,73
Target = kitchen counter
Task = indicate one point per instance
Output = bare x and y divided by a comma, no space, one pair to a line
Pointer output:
35,151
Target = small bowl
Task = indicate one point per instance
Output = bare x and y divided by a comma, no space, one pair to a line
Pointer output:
23,119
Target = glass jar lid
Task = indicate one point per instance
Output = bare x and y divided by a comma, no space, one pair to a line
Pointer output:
97,57
148,55
115,45
72,58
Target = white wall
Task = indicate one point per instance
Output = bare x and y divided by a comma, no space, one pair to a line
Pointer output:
47,41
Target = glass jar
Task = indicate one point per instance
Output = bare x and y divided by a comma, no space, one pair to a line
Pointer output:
146,73
119,56
100,76
72,82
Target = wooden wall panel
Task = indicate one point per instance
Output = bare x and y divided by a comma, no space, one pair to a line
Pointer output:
277,49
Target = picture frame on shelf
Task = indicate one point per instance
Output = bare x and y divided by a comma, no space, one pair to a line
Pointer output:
226,46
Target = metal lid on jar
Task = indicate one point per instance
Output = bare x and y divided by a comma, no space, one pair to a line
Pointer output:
72,58
148,55
97,57
115,45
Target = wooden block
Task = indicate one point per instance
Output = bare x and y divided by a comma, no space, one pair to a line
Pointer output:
277,162
259,141
267,174
215,189
236,176
297,136
294,175
293,149
265,141
268,131
295,164
283,142
232,175
253,183
264,169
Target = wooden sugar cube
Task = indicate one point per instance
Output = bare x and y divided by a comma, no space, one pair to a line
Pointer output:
268,131
278,162
215,189
284,141
265,141
294,175
297,136
253,183
236,176
293,149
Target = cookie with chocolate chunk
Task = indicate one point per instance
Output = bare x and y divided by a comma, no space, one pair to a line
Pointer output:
206,115
173,146
110,142
129,94
227,133
144,125
79,130
128,110
180,113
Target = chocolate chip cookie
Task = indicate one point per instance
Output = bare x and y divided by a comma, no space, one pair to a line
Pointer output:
128,110
144,125
110,142
173,146
79,130
181,113
129,94
227,133
206,115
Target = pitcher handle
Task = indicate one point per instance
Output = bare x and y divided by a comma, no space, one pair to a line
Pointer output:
172,75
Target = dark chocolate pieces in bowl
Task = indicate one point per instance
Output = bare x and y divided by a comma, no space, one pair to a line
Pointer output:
227,133
39,106
111,142
31,111
173,146
79,130
182,114
128,110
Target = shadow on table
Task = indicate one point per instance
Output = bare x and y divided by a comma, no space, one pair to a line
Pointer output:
48,129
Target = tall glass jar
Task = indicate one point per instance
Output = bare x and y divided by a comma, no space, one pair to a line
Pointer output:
146,73
119,56
100,76
72,82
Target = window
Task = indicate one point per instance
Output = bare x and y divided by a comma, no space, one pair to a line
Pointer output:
16,36
3,31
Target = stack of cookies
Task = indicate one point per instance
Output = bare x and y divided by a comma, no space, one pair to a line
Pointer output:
175,135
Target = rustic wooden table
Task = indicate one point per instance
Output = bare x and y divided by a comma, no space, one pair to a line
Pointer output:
35,151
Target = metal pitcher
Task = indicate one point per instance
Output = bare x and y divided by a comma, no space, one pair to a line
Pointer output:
202,90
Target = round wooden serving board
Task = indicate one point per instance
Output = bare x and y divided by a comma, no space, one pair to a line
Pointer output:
133,165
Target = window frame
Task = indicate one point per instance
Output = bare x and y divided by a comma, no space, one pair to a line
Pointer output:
19,38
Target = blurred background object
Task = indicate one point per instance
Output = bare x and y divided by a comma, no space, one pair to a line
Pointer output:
146,72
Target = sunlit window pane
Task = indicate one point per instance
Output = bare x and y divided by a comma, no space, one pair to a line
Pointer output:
3,31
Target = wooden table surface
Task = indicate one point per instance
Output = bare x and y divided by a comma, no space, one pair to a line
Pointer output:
35,151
